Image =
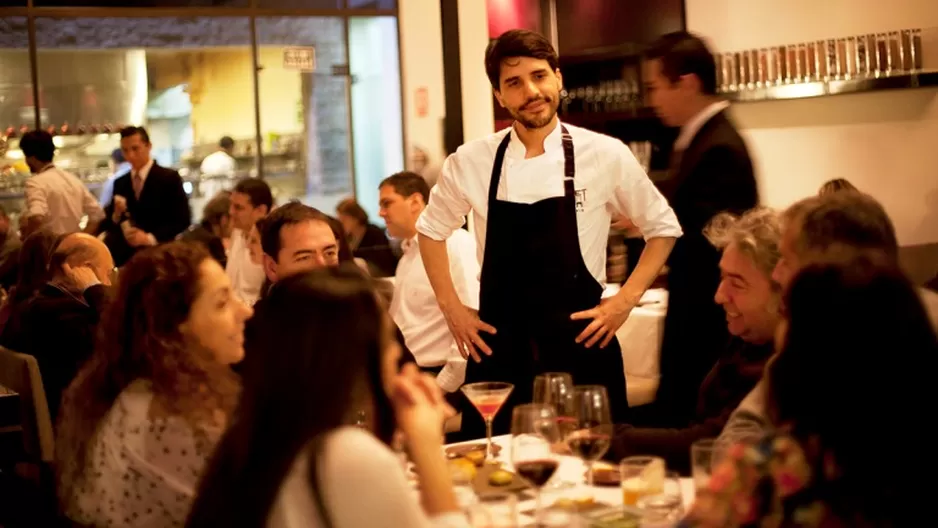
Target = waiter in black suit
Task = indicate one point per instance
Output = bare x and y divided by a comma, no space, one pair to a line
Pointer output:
710,172
150,205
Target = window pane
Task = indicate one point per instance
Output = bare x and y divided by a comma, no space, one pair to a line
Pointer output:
304,115
376,106
372,4
188,80
141,3
16,111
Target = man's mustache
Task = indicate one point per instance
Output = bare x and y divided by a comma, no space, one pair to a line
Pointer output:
536,101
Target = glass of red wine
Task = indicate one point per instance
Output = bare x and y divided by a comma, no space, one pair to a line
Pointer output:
533,434
592,435
556,390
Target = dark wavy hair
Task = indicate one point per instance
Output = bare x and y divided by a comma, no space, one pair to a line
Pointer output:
317,344
853,373
139,339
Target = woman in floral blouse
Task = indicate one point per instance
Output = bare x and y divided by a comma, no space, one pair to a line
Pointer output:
144,414
853,376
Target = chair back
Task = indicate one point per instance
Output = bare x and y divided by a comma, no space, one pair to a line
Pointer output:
20,373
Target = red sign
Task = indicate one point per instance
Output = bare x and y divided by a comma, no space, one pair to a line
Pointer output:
422,101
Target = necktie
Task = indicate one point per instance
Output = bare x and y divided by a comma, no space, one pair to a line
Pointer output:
137,183
674,163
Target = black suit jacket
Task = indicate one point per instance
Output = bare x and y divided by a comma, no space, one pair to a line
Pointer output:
162,210
715,174
58,329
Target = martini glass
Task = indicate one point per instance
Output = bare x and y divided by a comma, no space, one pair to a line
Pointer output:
488,397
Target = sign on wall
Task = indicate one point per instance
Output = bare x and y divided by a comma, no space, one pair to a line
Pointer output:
422,101
299,58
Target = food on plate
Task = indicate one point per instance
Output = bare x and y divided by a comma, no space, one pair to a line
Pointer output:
462,469
500,477
605,474
476,457
575,504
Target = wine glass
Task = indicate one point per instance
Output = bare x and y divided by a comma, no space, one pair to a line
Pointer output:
533,433
556,390
488,397
590,440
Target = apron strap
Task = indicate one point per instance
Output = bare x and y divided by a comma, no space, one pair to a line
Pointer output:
497,167
569,161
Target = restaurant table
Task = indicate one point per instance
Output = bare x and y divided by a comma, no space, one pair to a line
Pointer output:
640,340
571,469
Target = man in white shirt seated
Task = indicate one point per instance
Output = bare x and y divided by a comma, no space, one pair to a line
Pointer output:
55,199
220,162
251,200
414,307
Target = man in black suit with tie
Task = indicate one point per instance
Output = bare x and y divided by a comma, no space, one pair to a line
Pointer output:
711,172
149,206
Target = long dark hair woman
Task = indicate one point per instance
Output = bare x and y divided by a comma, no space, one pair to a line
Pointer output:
143,415
852,379
292,457
32,273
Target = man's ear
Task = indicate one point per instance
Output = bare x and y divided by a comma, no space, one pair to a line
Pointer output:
498,96
270,268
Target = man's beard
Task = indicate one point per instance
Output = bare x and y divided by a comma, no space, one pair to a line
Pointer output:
538,122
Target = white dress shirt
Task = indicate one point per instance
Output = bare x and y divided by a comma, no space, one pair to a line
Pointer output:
247,278
608,179
690,128
218,163
143,173
61,200
362,483
417,313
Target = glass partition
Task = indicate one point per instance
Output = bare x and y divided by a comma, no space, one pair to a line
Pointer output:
376,106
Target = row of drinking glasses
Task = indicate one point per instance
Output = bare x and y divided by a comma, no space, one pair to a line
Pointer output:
856,57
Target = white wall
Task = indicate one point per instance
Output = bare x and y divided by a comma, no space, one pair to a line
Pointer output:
886,143
422,66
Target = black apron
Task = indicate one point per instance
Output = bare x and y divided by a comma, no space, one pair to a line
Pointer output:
533,279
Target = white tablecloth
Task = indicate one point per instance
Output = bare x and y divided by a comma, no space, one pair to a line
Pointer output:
572,469
640,340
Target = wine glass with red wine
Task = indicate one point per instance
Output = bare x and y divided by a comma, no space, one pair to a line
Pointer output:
556,390
533,433
593,433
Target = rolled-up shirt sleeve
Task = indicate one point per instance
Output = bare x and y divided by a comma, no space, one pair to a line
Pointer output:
448,205
464,267
36,204
637,198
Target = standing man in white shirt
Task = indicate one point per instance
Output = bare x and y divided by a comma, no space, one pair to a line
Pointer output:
220,162
541,195
251,200
414,307
55,198
710,173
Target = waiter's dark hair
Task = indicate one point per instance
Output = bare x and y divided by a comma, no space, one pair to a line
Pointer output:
127,132
257,191
682,53
408,184
38,144
517,43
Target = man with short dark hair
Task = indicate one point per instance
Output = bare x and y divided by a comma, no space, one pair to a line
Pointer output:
541,194
54,198
710,173
297,238
414,308
214,231
251,200
150,204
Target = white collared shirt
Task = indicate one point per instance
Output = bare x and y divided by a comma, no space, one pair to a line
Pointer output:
143,172
690,128
608,180
247,278
218,163
61,199
416,312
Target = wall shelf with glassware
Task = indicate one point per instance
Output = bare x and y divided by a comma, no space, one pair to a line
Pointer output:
835,87
861,63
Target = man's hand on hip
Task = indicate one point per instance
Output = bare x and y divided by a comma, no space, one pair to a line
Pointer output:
607,318
465,325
